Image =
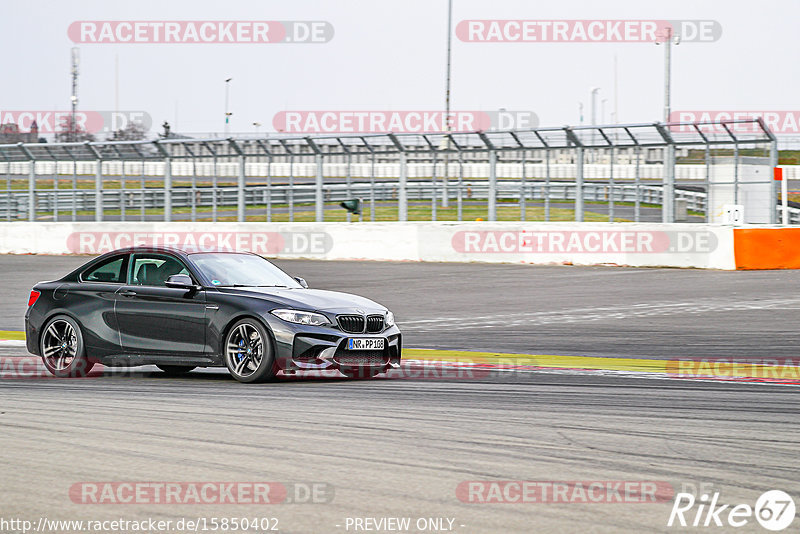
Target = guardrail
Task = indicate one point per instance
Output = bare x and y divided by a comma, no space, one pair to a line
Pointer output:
486,152
14,204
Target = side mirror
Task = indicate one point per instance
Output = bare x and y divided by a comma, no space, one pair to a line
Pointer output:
302,282
180,281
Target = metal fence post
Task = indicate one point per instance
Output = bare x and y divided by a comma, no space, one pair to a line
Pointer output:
773,162
8,188
167,189
736,173
492,201
492,215
579,184
348,181
611,185
637,178
547,184
522,194
55,195
402,193
707,156
291,188
143,191
372,187
194,188
98,191
214,183
240,189
433,189
460,191
668,186
123,184
446,178
319,200
32,191
269,188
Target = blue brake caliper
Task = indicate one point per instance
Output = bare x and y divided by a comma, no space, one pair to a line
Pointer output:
240,354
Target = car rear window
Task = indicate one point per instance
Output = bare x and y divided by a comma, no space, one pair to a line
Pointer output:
108,271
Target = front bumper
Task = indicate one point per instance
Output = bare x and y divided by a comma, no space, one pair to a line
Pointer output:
317,348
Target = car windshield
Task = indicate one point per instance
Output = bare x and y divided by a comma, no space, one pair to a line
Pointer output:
241,270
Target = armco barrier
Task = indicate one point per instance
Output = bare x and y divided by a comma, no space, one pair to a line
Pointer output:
633,244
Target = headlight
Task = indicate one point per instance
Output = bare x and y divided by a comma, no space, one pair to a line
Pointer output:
389,318
301,317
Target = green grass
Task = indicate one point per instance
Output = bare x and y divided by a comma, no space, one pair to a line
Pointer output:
506,211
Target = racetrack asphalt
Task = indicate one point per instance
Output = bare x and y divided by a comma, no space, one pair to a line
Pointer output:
399,447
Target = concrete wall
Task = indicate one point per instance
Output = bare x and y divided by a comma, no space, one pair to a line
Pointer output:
634,244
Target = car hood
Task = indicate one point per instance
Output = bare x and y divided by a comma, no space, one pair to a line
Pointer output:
310,299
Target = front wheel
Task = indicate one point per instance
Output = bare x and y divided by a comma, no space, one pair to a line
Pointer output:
62,349
248,352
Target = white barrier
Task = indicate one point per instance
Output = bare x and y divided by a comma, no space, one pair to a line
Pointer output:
362,170
633,244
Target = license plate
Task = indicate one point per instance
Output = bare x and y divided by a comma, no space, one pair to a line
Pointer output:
365,343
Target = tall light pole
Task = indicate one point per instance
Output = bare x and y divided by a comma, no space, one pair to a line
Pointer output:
595,90
669,37
227,113
74,97
668,181
445,199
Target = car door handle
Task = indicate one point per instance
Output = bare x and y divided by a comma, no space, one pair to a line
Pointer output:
128,293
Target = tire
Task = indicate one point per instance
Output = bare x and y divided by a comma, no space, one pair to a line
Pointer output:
62,348
248,352
176,370
359,372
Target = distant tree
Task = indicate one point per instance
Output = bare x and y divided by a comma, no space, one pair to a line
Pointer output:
9,133
134,131
69,131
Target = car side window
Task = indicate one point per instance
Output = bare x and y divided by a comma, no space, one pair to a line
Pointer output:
154,269
110,271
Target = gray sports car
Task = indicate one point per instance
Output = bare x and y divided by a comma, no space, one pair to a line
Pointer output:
180,310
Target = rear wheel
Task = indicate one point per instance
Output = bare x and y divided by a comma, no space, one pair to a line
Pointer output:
62,349
248,352
176,370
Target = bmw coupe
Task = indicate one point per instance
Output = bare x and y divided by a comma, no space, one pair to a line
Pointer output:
180,310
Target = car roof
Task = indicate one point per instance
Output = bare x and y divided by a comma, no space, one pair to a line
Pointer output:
174,250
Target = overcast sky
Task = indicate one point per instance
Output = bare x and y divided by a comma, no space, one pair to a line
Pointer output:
391,56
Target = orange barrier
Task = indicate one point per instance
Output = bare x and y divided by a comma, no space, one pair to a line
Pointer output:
766,248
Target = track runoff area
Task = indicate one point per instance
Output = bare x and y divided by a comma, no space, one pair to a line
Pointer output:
531,397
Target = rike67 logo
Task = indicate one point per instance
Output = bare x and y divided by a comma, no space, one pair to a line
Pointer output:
774,510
